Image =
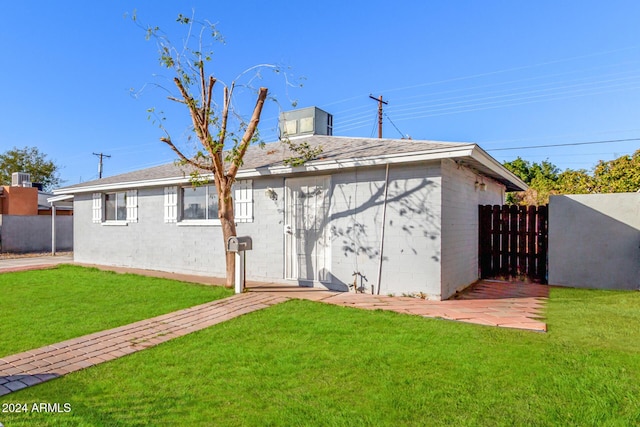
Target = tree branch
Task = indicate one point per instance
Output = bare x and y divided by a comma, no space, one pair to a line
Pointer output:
184,158
206,109
248,133
202,85
171,98
201,127
225,113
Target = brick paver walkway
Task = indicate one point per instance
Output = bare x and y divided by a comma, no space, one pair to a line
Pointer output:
32,367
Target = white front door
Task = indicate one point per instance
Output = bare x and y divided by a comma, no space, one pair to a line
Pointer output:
307,222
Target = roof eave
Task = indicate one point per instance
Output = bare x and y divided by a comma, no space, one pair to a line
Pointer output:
124,184
473,151
511,181
61,198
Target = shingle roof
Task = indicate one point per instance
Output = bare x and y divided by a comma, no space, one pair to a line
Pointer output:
273,154
334,148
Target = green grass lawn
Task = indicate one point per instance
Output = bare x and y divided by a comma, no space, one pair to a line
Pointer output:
305,363
47,306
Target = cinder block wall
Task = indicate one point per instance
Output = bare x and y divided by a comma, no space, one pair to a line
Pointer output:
460,200
32,233
594,241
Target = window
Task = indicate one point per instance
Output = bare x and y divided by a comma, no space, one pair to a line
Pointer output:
189,206
115,207
200,203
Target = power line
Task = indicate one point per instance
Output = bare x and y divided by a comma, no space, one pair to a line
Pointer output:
564,145
512,100
354,117
506,70
489,73
536,77
519,92
373,128
493,105
394,125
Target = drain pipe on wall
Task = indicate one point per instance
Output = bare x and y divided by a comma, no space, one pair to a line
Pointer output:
384,220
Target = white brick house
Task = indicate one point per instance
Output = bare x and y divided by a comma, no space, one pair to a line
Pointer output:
317,224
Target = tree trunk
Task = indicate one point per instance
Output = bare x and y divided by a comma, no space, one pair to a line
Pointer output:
225,213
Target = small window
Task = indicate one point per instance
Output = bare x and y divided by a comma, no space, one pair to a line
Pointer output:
200,203
115,206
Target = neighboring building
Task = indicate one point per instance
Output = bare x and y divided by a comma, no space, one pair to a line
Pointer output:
320,224
25,218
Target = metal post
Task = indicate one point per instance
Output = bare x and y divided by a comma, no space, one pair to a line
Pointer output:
382,226
239,272
53,229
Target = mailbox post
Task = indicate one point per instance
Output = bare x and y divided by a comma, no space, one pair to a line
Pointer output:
239,245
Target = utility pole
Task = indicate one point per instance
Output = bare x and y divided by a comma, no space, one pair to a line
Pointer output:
100,155
380,102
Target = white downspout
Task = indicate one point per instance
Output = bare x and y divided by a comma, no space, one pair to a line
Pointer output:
382,226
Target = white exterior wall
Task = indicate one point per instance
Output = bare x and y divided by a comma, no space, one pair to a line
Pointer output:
411,253
460,200
430,238
266,261
150,243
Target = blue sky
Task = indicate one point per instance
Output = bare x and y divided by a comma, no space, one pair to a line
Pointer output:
503,74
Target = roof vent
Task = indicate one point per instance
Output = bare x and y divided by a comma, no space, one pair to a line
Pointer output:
305,121
20,179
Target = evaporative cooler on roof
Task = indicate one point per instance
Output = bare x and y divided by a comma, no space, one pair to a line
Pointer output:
305,121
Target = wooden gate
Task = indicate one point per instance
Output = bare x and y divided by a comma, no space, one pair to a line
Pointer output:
513,241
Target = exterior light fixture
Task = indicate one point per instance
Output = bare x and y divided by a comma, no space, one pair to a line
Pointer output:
270,193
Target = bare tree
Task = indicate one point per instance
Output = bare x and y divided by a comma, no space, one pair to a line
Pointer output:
210,121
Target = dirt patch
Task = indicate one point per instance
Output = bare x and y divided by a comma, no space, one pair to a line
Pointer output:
9,255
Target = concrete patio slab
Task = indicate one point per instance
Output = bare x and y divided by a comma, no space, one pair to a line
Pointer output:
33,263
